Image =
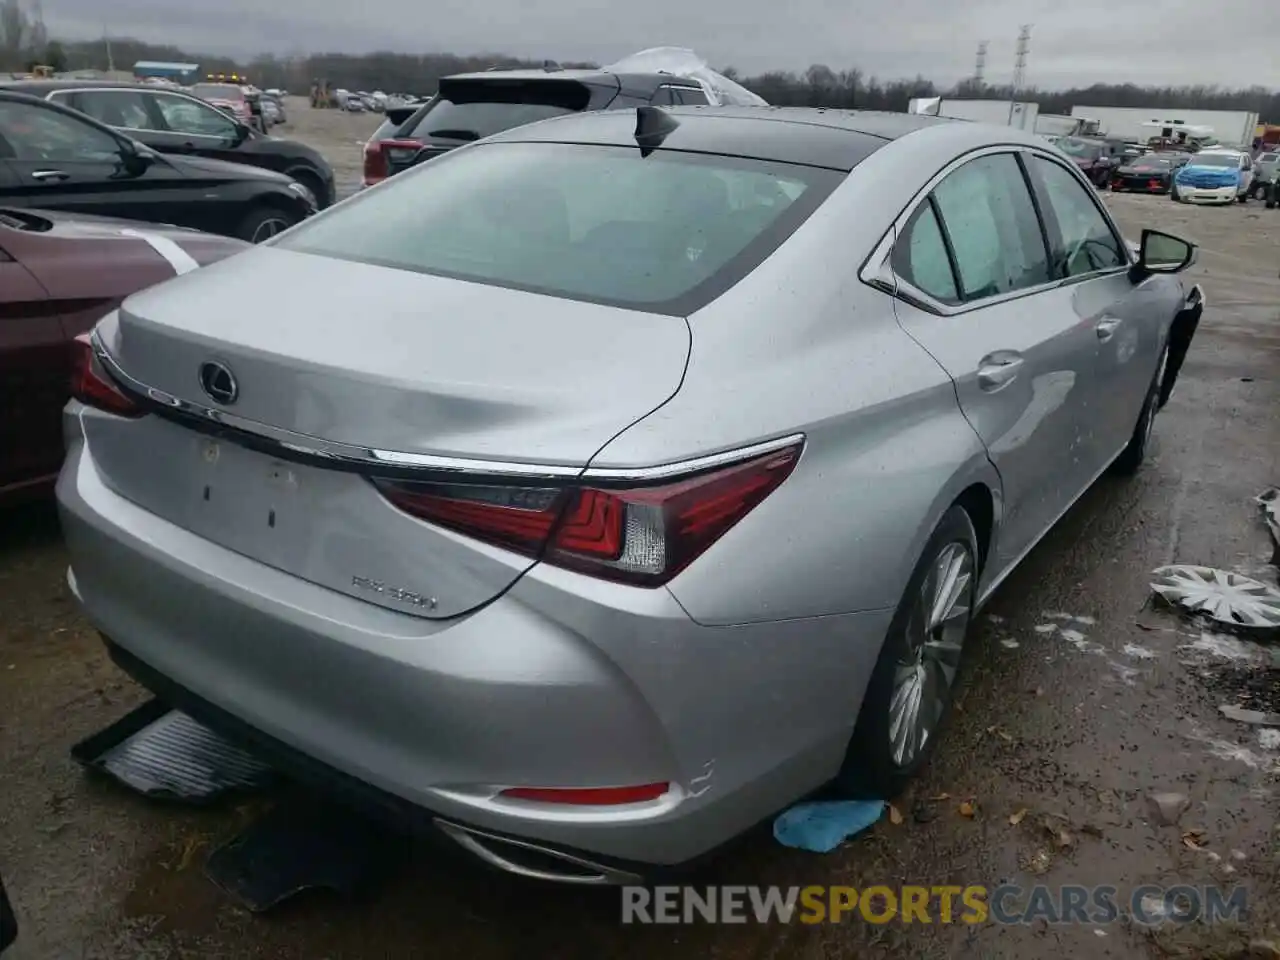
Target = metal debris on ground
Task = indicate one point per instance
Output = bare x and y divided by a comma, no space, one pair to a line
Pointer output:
1259,718
1230,599
1169,807
164,754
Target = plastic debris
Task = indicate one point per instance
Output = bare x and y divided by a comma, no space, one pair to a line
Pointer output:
822,826
1016,817
1258,718
684,63
1169,807
1228,598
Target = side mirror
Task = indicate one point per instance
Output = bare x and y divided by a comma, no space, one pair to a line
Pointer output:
1162,253
136,161
242,133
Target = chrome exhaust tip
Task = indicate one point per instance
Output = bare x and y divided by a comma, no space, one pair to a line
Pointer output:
526,859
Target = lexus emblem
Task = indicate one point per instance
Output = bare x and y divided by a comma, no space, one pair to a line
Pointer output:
218,382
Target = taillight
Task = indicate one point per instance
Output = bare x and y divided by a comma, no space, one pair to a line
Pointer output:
642,535
589,796
91,386
400,151
375,163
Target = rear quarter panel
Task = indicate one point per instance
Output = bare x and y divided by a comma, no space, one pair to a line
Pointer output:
803,346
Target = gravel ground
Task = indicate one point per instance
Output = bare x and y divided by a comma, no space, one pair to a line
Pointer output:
1074,721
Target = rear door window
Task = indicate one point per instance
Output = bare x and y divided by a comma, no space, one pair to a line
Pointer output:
474,109
993,226
124,109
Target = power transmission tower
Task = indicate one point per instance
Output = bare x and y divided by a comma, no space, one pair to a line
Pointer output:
1020,61
980,65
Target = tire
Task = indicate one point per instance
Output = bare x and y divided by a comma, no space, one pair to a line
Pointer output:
872,767
263,222
1132,456
1173,194
1245,197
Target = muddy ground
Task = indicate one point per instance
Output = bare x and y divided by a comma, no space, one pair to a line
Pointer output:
1080,701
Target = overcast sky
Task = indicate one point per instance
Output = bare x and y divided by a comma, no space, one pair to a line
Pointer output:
1228,42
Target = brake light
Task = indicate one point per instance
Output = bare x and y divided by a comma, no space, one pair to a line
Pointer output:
91,386
375,163
642,535
589,796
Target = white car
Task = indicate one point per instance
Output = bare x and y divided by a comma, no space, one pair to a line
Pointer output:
1214,176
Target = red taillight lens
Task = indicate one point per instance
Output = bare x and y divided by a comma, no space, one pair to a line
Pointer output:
641,535
589,796
375,163
90,385
400,151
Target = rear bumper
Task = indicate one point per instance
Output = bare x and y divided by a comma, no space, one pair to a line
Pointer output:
560,682
1139,186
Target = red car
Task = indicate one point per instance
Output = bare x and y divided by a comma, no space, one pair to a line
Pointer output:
227,97
59,274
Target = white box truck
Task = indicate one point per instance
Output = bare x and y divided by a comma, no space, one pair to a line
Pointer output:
1235,128
1007,113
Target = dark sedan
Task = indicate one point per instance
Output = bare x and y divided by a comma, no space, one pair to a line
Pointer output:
55,158
173,122
1152,173
1094,158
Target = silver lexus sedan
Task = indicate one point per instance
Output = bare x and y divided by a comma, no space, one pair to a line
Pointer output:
603,487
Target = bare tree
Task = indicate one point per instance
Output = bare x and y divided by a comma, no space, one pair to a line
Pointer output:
14,27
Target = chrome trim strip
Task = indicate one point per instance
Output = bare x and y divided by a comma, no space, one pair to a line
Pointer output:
697,464
368,458
593,874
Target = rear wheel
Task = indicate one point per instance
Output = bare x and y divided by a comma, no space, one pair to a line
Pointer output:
910,691
263,223
1133,455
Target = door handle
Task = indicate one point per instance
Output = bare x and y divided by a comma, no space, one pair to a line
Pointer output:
50,175
997,370
1106,328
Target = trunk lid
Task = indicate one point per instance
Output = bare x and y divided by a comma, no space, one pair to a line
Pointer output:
378,359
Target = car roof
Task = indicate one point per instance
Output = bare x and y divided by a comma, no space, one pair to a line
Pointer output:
49,86
836,139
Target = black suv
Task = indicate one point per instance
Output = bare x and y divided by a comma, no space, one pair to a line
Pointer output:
56,158
176,123
471,106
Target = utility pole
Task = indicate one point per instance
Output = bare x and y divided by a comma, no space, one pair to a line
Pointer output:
1019,66
106,38
980,65
1020,60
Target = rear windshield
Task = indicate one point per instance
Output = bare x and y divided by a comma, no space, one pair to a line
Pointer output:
473,109
217,91
665,233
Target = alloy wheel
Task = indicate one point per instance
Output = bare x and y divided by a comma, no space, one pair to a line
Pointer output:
267,229
935,638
